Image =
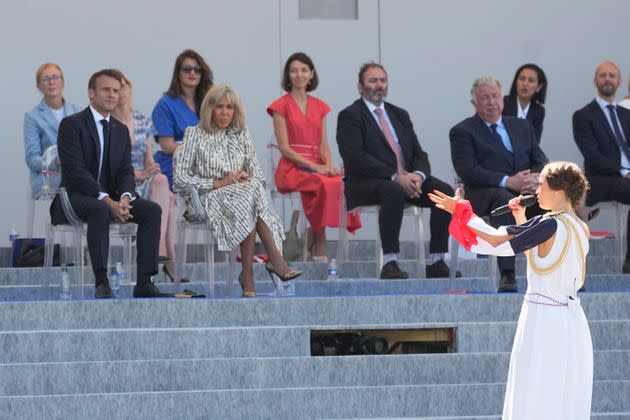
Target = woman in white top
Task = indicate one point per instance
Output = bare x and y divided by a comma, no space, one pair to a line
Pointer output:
551,366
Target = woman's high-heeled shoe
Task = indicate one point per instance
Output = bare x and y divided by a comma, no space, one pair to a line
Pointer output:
290,275
246,294
168,275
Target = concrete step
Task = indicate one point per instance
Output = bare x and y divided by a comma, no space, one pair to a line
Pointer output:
343,287
151,343
302,403
498,336
390,310
175,374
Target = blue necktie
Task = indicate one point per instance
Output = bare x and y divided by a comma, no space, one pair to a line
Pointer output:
621,141
497,136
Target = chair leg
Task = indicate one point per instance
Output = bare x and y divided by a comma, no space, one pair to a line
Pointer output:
78,258
379,250
232,272
422,262
49,248
209,258
180,251
342,239
622,221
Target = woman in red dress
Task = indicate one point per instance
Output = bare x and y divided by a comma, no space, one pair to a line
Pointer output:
299,122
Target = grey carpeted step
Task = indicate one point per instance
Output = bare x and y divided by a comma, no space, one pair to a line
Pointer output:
175,374
310,311
498,336
147,343
302,403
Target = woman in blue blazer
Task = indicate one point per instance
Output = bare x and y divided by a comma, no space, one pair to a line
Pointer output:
42,122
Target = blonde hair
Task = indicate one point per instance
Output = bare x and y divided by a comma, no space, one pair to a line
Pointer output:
123,79
40,70
209,103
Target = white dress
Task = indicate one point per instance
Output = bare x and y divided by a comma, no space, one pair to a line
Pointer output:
551,366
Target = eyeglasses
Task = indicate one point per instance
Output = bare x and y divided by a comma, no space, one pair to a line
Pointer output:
48,79
190,69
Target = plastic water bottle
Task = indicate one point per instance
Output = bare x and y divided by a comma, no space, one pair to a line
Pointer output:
13,235
122,275
65,284
114,281
333,273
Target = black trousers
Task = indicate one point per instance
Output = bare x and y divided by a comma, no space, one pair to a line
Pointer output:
146,215
484,200
610,188
392,200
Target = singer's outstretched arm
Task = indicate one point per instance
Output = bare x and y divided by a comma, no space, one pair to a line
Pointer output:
479,237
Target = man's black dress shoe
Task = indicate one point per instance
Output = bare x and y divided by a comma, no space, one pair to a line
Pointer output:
149,290
392,271
508,283
103,291
439,269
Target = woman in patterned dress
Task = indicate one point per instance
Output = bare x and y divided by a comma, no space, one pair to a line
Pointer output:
551,365
217,158
151,184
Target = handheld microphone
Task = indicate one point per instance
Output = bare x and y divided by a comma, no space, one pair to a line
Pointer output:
526,201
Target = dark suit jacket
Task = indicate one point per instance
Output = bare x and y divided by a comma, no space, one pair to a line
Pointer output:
481,161
535,115
365,150
79,152
595,139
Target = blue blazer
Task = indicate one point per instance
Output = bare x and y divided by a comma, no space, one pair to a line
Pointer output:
595,139
481,161
40,132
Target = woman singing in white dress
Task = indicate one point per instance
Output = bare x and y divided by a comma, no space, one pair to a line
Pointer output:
551,366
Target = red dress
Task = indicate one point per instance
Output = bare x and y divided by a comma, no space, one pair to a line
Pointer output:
320,194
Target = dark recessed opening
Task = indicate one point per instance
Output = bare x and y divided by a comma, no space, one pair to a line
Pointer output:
380,342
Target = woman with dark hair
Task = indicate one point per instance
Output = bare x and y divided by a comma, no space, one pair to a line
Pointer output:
527,96
42,122
217,158
299,122
551,366
179,107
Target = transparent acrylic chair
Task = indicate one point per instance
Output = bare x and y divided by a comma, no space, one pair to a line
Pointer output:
621,221
418,233
293,199
77,228
196,219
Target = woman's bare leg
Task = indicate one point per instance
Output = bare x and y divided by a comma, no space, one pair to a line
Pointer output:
278,263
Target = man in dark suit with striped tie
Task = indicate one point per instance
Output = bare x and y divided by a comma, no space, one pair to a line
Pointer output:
385,166
601,131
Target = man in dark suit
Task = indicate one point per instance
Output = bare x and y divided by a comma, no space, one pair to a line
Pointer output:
385,166
95,154
601,131
497,157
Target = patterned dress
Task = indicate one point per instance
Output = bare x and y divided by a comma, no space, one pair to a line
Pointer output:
142,128
232,210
